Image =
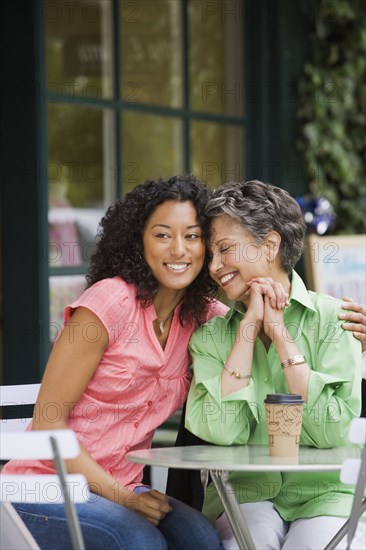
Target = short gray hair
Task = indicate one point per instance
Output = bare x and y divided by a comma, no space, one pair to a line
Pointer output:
261,208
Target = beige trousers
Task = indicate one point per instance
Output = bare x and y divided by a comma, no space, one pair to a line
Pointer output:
270,532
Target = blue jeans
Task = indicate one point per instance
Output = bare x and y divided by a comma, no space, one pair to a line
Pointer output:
105,524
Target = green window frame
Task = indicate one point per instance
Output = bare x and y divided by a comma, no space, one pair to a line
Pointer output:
192,121
275,45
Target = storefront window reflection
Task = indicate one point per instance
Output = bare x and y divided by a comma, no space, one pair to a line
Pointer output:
135,90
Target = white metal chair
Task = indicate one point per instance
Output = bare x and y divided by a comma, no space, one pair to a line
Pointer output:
23,394
14,534
353,472
56,445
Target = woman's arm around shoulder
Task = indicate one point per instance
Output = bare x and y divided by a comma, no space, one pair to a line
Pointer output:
354,317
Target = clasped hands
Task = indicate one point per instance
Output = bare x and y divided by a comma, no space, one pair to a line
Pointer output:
266,300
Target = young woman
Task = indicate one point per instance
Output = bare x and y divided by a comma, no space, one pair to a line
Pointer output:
278,338
120,369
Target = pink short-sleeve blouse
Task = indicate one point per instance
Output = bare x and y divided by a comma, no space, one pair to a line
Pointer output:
136,386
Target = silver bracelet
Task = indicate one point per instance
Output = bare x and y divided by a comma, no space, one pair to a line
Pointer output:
235,373
294,360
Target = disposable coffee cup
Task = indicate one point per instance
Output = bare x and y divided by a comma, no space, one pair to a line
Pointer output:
284,419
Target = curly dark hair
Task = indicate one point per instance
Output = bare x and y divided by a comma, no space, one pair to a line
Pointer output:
119,247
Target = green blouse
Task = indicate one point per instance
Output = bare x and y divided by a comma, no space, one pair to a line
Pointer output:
334,398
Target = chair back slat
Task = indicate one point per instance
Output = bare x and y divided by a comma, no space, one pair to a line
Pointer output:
37,444
17,395
22,394
14,424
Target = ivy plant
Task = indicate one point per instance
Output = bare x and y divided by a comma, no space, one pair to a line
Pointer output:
332,109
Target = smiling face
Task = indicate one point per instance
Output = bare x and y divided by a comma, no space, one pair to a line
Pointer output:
236,257
173,245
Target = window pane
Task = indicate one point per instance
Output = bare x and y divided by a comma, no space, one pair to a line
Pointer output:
79,48
216,56
75,175
151,52
152,147
217,152
63,291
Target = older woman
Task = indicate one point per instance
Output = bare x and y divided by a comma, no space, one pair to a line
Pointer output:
278,338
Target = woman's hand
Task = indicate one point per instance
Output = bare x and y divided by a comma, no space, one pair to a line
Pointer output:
268,287
355,317
255,309
152,505
269,300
